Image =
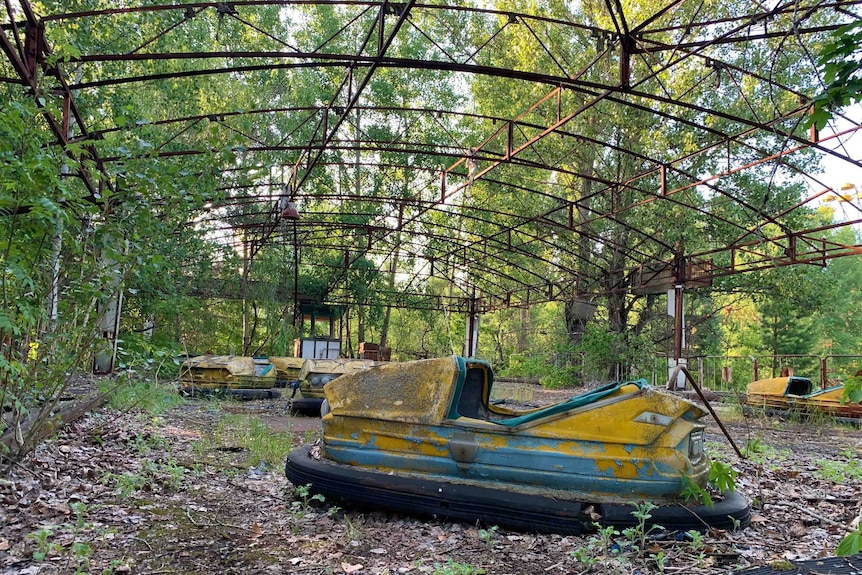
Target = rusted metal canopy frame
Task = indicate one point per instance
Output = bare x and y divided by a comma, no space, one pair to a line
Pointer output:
630,48
28,60
771,13
323,230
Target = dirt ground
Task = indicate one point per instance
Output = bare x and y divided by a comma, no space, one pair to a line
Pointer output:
129,493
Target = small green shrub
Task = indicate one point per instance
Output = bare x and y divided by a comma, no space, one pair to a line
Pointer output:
852,390
487,536
759,452
693,491
722,476
301,505
544,369
167,475
44,546
839,472
519,365
559,377
638,534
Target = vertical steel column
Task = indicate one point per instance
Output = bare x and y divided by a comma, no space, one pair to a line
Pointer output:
471,339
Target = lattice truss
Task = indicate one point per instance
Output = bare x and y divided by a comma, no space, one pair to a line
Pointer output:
538,152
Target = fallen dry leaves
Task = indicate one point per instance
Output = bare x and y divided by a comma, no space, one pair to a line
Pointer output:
122,493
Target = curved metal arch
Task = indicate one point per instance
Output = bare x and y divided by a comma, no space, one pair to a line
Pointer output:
361,252
446,238
603,144
643,94
601,215
541,285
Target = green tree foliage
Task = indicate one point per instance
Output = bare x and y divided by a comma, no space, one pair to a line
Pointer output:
840,64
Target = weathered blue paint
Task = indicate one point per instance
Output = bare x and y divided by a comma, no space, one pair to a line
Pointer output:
580,475
523,460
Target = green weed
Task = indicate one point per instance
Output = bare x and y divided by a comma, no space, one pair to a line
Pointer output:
487,536
167,474
80,509
851,544
454,568
637,534
144,443
722,476
698,545
77,555
839,472
306,498
759,452
353,530
173,474
660,560
141,395
300,507
601,549
693,491
80,554
44,547
128,483
263,444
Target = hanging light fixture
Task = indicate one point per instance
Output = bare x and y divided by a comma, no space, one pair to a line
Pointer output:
288,207
289,212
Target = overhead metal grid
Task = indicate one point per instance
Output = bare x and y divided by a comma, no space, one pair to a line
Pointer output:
522,204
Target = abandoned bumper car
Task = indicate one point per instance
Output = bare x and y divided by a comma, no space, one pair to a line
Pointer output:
423,437
789,395
235,376
307,395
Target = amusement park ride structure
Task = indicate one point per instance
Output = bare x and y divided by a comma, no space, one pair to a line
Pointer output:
556,244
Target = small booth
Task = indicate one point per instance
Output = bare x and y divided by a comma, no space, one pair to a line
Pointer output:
319,326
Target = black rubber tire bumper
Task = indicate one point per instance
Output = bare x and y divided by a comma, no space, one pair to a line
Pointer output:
244,394
489,506
306,405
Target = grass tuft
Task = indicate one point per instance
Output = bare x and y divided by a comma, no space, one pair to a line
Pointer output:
142,395
264,445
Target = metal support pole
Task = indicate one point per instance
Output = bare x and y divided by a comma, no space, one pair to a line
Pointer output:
678,324
296,281
471,340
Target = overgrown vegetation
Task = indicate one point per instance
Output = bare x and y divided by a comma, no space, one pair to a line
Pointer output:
263,444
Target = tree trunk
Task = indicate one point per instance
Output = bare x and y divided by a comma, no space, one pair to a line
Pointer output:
574,311
384,329
522,329
360,327
54,292
243,289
